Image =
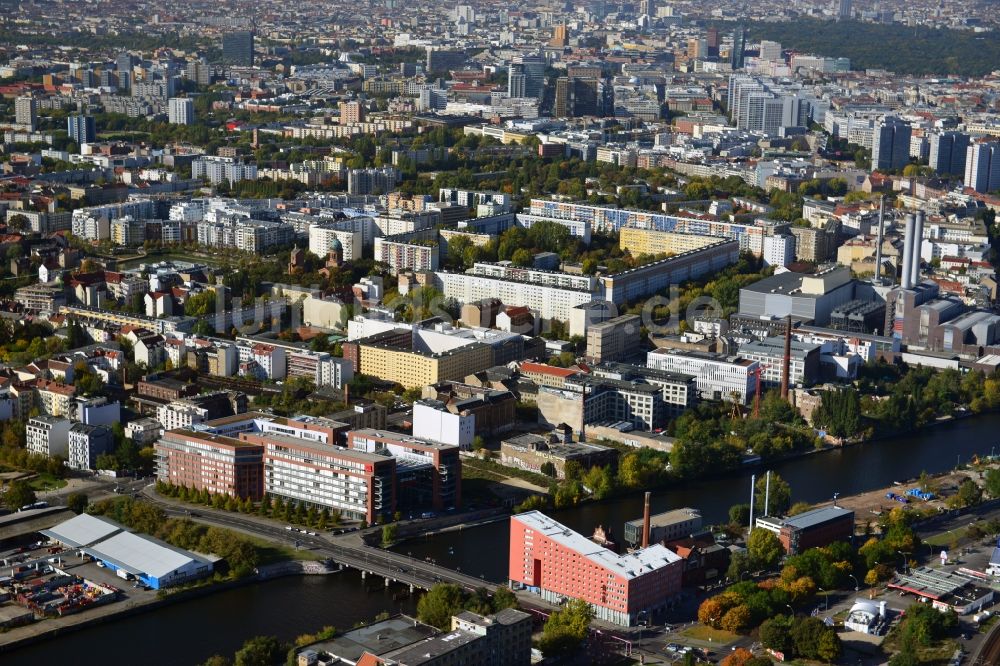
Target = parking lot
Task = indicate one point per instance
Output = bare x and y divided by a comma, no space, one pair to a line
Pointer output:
59,587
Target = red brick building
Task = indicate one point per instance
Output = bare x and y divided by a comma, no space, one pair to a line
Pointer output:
221,465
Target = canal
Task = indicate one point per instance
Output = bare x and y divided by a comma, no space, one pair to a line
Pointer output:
189,632
814,478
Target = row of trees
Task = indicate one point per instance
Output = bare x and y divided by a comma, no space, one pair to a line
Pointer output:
241,554
289,511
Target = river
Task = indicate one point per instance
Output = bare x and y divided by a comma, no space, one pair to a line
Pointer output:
189,632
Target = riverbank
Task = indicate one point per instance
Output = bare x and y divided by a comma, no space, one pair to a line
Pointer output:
49,628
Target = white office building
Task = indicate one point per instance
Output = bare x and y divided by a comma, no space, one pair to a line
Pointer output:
717,377
433,421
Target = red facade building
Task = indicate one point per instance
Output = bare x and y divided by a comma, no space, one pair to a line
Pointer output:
556,563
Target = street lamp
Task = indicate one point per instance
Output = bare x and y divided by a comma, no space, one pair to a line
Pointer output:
826,599
790,609
741,575
856,585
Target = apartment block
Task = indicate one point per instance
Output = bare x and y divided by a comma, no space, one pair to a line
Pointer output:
614,339
48,436
639,241
402,356
360,485
86,443
428,474
203,461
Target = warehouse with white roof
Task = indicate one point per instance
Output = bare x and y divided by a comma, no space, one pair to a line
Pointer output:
155,563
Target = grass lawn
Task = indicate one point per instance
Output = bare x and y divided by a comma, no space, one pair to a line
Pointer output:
271,552
499,472
46,482
945,538
702,632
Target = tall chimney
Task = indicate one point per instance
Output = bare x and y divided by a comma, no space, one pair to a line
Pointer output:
904,280
918,241
878,242
787,365
645,522
753,498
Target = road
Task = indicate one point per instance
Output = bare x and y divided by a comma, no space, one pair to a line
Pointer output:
347,549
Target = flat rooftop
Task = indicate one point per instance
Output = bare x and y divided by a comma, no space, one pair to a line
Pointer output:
630,566
671,517
377,638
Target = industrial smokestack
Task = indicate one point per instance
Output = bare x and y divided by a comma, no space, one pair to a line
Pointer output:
787,364
918,241
645,522
905,278
767,494
753,488
878,242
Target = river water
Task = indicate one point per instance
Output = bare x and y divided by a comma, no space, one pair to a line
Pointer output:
190,632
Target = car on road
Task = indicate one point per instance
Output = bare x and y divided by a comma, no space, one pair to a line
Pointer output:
672,647
289,528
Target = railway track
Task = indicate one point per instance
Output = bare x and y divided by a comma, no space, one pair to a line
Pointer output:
989,651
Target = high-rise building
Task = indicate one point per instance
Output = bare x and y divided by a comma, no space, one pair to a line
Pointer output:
948,151
712,37
647,8
697,48
26,112
372,181
560,36
124,63
982,166
577,96
845,9
739,47
351,112
180,111
81,129
533,68
516,81
891,144
237,48
770,51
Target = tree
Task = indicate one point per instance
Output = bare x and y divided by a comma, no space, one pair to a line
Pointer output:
992,482
522,257
261,651
388,534
18,494
738,657
548,468
566,629
839,412
739,564
739,514
217,660
776,634
764,549
439,604
969,493
736,619
478,444
778,499
503,598
77,502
